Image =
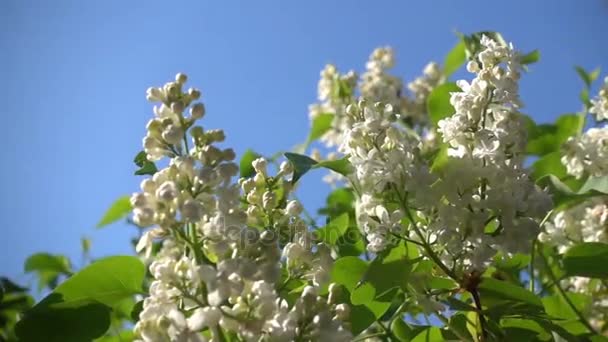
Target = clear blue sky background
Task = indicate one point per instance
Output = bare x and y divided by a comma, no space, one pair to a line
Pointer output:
74,75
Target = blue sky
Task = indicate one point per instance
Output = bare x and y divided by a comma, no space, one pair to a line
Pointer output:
74,75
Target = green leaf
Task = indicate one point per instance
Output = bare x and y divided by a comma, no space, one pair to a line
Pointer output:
136,310
599,184
363,294
302,164
402,330
80,308
396,262
48,268
146,167
549,164
438,102
440,160
497,293
454,59
587,77
517,329
246,169
348,271
117,211
341,166
588,259
546,138
335,229
360,318
123,336
428,335
530,58
47,262
320,125
563,196
558,308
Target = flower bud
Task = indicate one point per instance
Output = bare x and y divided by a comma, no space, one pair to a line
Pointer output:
154,94
191,210
197,111
260,166
269,200
294,208
194,94
177,107
286,168
167,191
247,185
197,132
173,134
181,78
228,154
342,312
473,67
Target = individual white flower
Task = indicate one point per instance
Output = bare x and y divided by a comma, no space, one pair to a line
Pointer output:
587,153
599,104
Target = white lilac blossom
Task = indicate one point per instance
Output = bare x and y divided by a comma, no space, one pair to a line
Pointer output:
382,155
376,84
587,154
599,104
336,91
585,222
488,202
219,268
414,108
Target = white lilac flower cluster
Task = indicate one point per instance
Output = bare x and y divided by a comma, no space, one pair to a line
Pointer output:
585,222
587,154
489,202
484,203
383,155
376,84
599,104
219,269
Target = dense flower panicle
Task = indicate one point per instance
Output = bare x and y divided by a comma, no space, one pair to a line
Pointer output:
414,108
599,104
585,222
382,155
587,154
215,272
489,204
376,84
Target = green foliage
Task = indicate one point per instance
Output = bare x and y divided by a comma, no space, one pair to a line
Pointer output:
587,77
48,268
334,230
530,58
146,167
302,164
245,167
80,308
320,125
549,164
13,300
547,138
455,58
117,211
438,102
587,260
